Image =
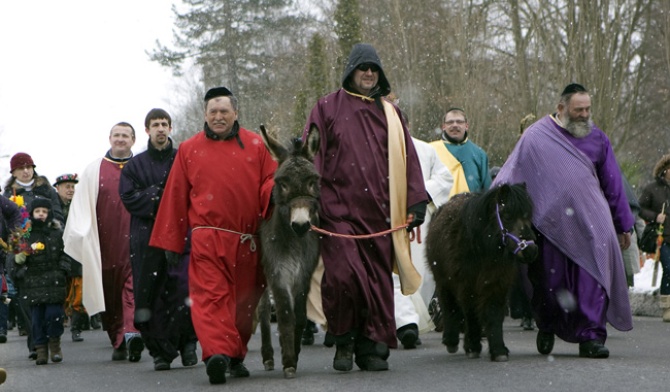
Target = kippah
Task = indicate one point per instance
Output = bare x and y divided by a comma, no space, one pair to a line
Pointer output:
217,92
573,88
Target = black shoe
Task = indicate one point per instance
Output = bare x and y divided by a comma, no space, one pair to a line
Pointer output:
188,355
95,322
135,347
307,336
545,342
76,336
120,354
329,340
344,357
237,369
161,363
33,355
593,349
22,332
3,337
216,368
372,363
408,335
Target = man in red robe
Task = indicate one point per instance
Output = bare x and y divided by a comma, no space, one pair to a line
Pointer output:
220,187
96,235
362,141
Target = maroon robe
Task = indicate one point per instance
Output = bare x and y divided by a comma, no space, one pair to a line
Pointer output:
117,277
357,287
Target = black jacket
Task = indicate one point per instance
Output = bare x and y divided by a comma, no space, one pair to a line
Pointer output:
43,275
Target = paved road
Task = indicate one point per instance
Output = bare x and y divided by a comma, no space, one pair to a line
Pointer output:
639,362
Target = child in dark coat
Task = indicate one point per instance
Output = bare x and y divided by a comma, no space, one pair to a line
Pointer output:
44,268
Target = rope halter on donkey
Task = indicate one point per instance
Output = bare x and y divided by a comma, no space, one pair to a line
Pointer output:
521,244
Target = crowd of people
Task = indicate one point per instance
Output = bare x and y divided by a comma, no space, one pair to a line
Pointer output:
163,246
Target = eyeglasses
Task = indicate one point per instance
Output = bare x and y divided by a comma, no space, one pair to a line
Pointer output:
365,66
451,122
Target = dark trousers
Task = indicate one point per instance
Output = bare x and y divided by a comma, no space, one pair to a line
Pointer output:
47,322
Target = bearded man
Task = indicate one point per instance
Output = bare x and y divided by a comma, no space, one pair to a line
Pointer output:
583,221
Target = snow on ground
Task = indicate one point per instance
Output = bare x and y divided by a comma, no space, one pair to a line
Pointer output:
644,277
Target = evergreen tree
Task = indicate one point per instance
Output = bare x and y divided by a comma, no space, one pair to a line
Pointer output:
347,26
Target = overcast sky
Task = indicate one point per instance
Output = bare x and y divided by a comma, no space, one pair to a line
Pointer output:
70,70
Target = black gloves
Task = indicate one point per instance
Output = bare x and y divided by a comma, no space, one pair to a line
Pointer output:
418,213
172,257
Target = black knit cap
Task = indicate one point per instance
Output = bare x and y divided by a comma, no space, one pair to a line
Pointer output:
40,202
573,88
217,92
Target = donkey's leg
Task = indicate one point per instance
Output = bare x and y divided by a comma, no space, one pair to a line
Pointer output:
452,318
300,310
267,352
284,302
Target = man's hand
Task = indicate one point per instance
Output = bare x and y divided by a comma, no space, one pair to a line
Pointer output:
416,214
172,257
624,240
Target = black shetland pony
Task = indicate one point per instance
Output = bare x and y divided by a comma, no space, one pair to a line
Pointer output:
290,248
473,246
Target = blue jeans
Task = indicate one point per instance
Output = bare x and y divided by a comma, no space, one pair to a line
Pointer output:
665,262
47,320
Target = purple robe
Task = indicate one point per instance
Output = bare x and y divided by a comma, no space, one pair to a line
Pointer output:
580,206
357,287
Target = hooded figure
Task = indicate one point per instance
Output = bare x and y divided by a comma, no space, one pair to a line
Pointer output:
371,181
361,54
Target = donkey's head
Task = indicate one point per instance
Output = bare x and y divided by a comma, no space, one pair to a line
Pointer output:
513,215
296,191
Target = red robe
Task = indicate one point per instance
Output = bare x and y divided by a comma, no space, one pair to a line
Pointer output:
220,190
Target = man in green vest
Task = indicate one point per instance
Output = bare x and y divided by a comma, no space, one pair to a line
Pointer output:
467,162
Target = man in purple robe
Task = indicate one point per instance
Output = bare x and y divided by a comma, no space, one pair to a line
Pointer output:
583,218
362,139
160,290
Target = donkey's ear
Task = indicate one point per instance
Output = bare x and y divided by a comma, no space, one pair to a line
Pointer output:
277,150
312,142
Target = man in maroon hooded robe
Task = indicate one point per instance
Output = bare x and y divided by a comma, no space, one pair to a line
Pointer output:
356,181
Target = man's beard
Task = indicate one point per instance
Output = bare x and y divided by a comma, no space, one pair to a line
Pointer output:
578,128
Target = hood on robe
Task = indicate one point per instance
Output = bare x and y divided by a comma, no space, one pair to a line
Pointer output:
365,53
662,165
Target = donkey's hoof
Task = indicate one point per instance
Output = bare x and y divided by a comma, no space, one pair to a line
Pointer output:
269,364
500,358
289,372
473,355
452,349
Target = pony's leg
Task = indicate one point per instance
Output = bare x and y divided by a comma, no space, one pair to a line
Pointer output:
495,315
452,318
267,352
472,340
286,325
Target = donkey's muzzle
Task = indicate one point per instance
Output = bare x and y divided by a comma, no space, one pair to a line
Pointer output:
300,228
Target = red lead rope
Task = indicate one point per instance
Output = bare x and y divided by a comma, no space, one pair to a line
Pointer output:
412,234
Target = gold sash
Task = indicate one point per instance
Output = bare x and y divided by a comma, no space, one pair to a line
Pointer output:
410,280
454,166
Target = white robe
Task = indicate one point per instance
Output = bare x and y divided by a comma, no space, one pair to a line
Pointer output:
82,241
413,309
